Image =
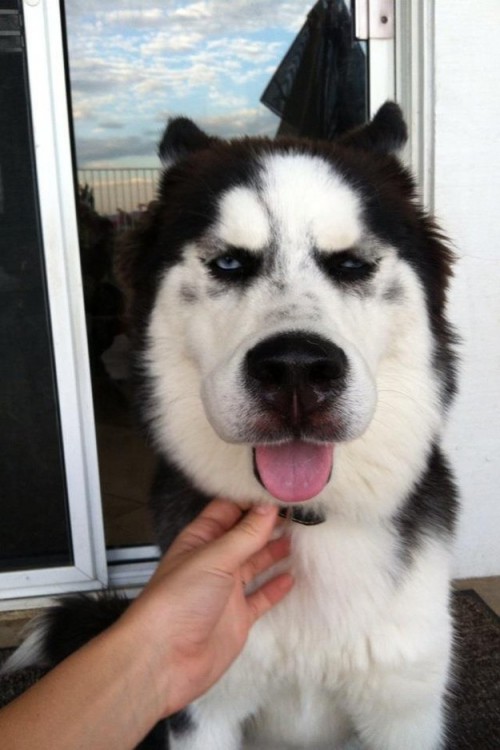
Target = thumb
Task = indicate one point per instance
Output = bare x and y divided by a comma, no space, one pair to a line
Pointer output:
245,539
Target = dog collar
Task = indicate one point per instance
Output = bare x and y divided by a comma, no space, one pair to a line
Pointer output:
305,516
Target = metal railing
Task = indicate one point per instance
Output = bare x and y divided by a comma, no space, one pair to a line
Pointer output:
120,190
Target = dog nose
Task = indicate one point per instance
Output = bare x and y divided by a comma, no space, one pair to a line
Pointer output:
295,372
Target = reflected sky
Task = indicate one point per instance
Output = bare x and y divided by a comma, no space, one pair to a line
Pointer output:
135,63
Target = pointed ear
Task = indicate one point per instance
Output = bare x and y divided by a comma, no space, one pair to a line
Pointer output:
181,137
385,134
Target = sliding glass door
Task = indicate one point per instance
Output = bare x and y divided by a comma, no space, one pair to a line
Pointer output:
51,530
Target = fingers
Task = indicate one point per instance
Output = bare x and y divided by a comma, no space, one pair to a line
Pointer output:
272,553
218,517
232,550
215,519
268,595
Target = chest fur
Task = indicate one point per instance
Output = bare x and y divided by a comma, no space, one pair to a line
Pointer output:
354,606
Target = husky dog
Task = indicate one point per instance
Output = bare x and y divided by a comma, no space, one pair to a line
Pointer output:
287,301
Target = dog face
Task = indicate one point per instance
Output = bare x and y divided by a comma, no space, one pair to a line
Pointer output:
275,295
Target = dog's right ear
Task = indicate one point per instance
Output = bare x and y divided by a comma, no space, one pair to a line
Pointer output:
386,133
180,138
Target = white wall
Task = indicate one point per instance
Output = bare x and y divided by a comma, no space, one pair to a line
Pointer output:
467,201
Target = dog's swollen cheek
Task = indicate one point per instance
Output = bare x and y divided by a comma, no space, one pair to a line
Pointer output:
228,415
204,345
217,334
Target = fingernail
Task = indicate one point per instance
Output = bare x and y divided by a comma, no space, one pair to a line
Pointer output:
264,510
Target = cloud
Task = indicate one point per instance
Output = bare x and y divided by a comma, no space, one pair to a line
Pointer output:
207,59
93,152
110,125
194,11
97,152
241,15
224,101
206,16
252,121
143,18
242,49
164,41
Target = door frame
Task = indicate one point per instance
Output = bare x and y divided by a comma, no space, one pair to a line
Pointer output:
55,188
415,88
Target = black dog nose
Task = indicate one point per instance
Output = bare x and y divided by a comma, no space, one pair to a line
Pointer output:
295,372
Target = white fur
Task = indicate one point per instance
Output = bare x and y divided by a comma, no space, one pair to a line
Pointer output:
358,652
348,649
240,208
31,652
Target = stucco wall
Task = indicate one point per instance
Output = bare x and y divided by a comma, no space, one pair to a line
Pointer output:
467,200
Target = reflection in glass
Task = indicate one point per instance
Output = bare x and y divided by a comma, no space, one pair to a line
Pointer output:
132,66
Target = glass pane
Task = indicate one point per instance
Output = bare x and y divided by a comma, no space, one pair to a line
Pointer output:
34,530
134,64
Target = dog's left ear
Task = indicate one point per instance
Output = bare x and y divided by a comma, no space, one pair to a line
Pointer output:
385,134
180,138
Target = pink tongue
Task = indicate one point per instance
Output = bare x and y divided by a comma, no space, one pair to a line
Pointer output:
294,472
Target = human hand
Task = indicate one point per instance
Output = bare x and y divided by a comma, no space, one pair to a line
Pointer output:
193,618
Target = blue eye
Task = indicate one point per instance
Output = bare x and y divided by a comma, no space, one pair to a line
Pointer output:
352,263
228,263
235,266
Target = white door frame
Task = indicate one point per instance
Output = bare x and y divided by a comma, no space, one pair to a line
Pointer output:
415,89
402,68
52,147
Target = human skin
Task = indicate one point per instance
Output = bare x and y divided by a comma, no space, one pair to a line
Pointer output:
175,640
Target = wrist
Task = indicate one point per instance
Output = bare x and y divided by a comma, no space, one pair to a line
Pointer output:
150,665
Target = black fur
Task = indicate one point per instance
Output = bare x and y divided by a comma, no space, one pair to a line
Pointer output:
181,137
385,134
77,619
174,502
431,507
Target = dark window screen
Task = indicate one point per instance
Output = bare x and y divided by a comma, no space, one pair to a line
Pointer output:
33,520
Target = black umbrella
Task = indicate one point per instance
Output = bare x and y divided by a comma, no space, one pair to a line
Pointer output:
320,88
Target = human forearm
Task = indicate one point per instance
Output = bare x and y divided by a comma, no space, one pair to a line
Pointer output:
174,641
103,696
